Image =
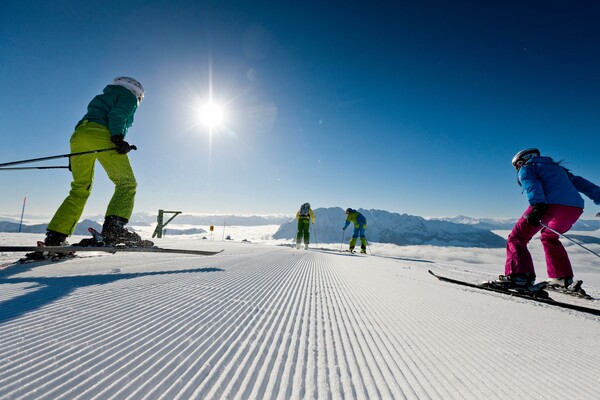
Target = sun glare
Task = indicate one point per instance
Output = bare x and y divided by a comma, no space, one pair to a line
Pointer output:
212,115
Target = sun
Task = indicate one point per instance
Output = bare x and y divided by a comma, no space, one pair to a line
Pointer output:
211,115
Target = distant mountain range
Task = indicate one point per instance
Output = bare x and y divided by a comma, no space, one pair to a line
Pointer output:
11,224
382,227
387,227
216,220
80,229
508,223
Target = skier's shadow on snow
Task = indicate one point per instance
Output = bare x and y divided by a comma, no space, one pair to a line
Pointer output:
45,290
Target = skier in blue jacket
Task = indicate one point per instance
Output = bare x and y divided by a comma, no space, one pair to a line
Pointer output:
360,224
554,200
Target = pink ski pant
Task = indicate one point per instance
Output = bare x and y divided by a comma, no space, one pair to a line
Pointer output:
518,259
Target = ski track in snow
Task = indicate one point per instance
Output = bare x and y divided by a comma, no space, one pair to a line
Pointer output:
275,323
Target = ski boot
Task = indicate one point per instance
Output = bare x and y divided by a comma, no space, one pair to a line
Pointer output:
115,233
363,249
522,283
351,249
53,238
559,282
567,286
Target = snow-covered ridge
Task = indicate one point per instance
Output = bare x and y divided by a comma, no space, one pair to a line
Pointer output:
146,219
400,229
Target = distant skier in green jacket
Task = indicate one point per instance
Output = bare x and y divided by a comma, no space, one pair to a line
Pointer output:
109,116
304,216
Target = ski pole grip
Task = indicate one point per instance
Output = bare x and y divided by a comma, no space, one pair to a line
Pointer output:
133,147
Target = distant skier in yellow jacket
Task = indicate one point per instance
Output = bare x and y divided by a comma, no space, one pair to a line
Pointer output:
304,216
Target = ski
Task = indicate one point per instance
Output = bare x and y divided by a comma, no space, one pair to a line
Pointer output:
339,252
545,300
106,249
356,252
39,261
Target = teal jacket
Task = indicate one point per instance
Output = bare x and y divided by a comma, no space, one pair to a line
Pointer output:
114,108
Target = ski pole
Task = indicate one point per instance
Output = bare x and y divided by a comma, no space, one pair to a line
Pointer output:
60,156
568,238
22,213
368,244
21,168
315,233
342,242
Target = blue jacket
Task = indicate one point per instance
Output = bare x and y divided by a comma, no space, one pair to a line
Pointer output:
357,218
545,181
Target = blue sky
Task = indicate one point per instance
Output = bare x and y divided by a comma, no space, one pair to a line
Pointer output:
410,107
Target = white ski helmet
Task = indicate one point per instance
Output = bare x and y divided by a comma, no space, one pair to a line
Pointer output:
523,156
134,86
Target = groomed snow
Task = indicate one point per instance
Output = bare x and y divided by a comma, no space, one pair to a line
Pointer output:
272,322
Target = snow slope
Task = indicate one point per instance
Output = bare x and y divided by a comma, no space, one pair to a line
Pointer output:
264,321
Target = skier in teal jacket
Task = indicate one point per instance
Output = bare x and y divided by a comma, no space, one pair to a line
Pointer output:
360,225
108,118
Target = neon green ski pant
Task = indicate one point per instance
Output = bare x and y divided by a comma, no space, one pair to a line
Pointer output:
92,136
303,231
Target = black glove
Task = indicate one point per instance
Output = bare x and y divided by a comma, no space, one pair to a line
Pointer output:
535,215
122,146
